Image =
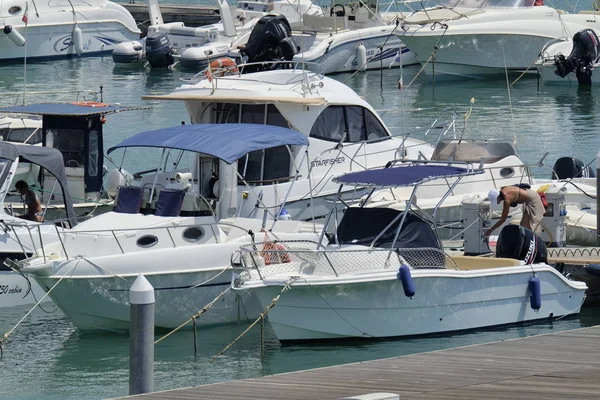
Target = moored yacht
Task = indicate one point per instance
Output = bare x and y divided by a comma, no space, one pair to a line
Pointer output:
385,274
483,38
344,131
57,29
168,225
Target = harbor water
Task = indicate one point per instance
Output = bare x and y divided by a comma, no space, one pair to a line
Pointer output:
46,357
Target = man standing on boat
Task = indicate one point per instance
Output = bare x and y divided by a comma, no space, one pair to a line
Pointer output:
31,201
533,208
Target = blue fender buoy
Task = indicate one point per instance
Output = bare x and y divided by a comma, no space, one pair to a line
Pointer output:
407,281
535,293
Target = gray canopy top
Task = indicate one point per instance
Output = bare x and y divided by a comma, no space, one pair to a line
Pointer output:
48,158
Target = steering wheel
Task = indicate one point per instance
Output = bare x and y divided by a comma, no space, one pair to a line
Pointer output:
339,13
72,164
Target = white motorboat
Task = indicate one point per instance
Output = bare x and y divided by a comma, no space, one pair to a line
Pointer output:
501,166
562,62
384,274
169,44
350,36
483,38
19,237
344,131
181,249
63,28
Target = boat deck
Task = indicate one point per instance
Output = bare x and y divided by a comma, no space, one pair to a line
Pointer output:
563,365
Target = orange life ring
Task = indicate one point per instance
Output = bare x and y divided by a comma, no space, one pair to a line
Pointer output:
221,67
90,104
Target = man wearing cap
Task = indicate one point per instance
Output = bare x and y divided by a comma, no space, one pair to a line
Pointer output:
533,208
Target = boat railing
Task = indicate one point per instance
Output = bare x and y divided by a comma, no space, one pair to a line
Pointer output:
315,69
31,237
77,95
308,258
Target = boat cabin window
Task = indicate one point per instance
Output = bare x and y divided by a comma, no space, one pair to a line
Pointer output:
250,114
471,151
70,142
349,124
93,154
266,167
361,226
21,135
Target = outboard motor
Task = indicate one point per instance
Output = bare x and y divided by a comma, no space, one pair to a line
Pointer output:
520,243
158,50
586,50
569,167
270,40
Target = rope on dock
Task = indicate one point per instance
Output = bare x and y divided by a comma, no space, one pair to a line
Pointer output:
7,334
260,318
193,317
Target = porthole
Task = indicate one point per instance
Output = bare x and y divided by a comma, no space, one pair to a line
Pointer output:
507,172
14,10
193,234
147,241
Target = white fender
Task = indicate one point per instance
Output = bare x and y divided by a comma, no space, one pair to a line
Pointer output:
116,178
361,57
78,40
14,35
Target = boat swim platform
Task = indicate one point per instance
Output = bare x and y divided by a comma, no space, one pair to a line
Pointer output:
562,365
190,15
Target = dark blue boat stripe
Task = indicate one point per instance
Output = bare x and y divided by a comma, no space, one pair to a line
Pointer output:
177,287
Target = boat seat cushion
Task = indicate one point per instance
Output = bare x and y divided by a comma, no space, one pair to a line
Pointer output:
129,199
169,203
319,22
467,263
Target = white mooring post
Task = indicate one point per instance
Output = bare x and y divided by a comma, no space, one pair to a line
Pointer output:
141,336
597,197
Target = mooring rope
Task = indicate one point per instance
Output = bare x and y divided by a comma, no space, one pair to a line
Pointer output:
7,334
435,49
193,317
260,318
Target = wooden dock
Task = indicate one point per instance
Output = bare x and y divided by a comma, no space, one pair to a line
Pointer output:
196,15
563,365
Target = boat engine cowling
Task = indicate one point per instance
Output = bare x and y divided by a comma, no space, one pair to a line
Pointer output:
270,40
128,52
158,50
518,242
569,167
586,50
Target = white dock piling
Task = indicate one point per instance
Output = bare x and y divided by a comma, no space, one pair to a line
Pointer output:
141,336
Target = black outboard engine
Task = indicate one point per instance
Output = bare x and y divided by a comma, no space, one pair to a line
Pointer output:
520,243
270,40
158,50
569,167
586,50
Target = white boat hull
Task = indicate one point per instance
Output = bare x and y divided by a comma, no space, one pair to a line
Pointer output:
51,30
445,301
17,290
341,55
476,55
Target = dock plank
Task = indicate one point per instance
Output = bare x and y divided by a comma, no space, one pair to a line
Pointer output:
552,366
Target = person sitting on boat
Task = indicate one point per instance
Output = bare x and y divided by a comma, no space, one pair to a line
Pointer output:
533,208
31,201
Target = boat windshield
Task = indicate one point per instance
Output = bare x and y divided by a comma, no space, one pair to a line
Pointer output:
4,169
480,3
361,225
472,151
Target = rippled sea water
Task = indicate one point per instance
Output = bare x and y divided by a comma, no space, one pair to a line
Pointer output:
46,357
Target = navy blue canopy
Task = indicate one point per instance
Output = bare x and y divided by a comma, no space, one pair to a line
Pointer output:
228,142
80,109
408,175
